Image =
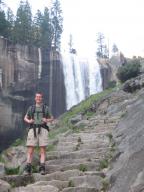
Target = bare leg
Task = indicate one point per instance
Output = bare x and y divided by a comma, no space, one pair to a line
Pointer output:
30,152
42,154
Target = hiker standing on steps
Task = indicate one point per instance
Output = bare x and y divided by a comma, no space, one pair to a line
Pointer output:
37,117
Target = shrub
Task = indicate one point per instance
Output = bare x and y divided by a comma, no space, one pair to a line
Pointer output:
83,167
12,171
129,70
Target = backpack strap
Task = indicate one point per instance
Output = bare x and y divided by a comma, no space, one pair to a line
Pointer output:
32,111
44,111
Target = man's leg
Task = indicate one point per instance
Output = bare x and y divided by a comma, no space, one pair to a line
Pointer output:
42,154
30,151
42,159
28,169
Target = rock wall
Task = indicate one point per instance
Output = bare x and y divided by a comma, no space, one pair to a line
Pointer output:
19,80
109,67
106,72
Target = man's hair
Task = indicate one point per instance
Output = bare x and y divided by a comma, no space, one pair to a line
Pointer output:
38,92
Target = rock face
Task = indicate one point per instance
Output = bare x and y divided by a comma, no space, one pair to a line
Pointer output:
52,81
105,70
109,67
25,70
127,168
20,78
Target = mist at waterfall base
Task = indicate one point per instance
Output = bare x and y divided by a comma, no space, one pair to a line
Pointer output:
81,74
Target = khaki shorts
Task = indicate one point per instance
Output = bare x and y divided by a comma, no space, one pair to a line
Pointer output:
40,140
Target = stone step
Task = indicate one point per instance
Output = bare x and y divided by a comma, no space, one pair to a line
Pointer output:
99,137
66,148
56,183
86,141
69,161
87,181
80,189
58,175
83,166
36,188
84,135
75,154
84,146
18,180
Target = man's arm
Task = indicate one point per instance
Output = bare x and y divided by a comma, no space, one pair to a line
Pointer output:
49,118
27,117
27,120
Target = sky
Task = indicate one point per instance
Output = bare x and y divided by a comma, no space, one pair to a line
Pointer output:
121,22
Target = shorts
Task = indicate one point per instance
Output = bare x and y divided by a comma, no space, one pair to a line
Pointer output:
41,139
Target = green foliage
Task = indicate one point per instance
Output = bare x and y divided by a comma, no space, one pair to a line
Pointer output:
55,132
129,70
23,24
34,168
83,106
110,136
12,171
64,120
71,183
103,164
83,167
3,24
105,185
40,31
50,147
112,84
46,29
18,142
57,21
2,159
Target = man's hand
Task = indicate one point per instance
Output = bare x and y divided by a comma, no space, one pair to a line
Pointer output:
45,120
30,121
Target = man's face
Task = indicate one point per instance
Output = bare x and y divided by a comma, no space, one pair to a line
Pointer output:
38,98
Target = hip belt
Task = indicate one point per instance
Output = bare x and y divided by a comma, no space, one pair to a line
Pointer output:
38,126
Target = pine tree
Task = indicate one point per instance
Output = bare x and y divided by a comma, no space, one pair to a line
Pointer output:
57,21
36,29
46,29
10,20
102,50
23,24
3,24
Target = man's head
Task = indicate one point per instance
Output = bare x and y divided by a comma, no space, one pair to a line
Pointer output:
38,98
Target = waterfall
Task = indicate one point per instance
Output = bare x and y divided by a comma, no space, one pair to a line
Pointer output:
95,81
73,80
82,77
40,63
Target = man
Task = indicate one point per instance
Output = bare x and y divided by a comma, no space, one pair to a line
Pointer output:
37,117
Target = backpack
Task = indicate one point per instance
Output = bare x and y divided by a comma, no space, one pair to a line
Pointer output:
45,115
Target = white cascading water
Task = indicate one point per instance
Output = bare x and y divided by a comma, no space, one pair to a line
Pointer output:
73,80
82,77
40,63
95,81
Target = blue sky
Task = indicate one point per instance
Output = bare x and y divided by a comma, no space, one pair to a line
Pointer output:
121,21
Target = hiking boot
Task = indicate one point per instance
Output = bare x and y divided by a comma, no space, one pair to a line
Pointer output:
42,169
27,169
